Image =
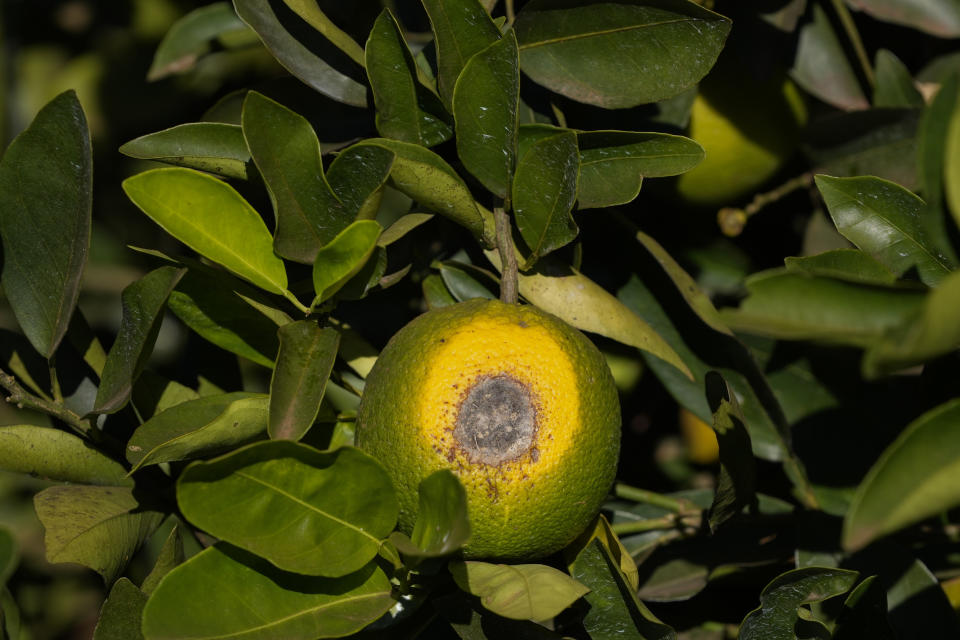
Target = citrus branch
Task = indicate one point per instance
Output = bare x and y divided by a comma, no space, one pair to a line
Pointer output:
508,258
25,400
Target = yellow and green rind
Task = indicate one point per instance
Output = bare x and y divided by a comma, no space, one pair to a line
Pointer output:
523,508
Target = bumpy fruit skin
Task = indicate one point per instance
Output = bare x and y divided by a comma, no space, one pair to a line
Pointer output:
525,507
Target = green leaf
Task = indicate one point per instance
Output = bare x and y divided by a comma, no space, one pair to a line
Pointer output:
461,28
613,164
403,226
485,103
406,110
208,303
170,556
465,281
191,37
98,527
932,137
614,54
57,455
518,591
894,85
303,366
798,307
782,598
357,176
864,613
615,610
225,594
211,218
287,153
425,177
297,53
208,146
343,258
737,481
951,161
121,612
913,479
9,616
143,304
200,427
9,555
851,265
821,65
884,220
470,621
435,292
316,18
442,526
327,511
45,205
940,18
544,190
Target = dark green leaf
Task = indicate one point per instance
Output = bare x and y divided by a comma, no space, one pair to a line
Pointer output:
470,621
208,146
200,427
913,479
544,190
9,616
371,274
615,611
45,204
884,220
298,55
782,598
170,556
225,594
614,54
485,103
143,304
951,161
406,110
211,218
191,37
894,86
613,164
851,265
936,17
864,613
465,281
327,510
57,455
311,12
518,591
442,526
303,366
357,176
821,66
9,555
932,142
121,612
343,258
98,527
737,482
435,292
461,28
287,153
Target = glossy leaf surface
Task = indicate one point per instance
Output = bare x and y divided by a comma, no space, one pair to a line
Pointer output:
211,218
121,612
191,37
45,208
442,525
518,591
485,103
461,28
357,176
303,366
143,304
307,511
223,593
611,54
208,146
200,427
57,455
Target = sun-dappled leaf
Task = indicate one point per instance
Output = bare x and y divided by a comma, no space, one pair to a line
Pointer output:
311,528
737,480
98,527
211,218
192,36
821,65
518,591
852,265
894,86
57,455
936,17
343,257
299,380
485,103
544,190
782,598
884,220
298,52
171,555
143,304
121,612
442,526
913,479
45,208
200,427
225,594
461,28
287,153
208,146
615,54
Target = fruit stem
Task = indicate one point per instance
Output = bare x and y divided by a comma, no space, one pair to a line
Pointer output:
676,505
732,220
508,258
672,521
851,28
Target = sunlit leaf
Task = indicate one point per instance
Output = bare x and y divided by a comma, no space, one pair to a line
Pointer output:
208,146
299,380
57,455
343,258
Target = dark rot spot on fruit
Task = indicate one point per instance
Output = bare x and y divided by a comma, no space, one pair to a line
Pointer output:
497,421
